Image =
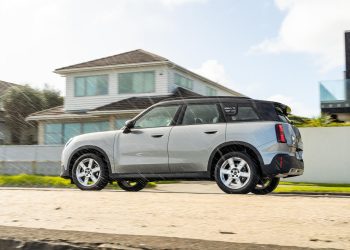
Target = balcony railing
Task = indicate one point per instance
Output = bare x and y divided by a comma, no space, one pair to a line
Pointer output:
335,90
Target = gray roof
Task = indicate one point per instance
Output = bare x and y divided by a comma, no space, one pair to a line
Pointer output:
132,103
131,57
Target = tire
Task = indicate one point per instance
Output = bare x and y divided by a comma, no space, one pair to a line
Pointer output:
266,186
236,173
132,186
95,174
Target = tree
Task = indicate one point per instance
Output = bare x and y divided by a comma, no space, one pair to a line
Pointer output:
52,97
19,102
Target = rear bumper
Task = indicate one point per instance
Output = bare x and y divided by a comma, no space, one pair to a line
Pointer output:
283,165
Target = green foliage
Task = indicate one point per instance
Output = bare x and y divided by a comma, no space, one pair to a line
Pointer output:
322,121
290,187
21,101
26,180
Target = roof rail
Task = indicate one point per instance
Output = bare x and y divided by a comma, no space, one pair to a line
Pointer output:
206,97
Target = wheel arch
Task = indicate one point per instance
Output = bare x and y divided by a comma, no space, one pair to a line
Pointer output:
234,146
88,149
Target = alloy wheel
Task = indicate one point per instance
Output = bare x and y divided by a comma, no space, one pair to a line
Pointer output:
235,173
88,172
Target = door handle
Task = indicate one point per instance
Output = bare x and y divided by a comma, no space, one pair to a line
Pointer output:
157,135
211,132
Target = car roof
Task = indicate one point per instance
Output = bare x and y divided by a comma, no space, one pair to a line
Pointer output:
204,99
219,99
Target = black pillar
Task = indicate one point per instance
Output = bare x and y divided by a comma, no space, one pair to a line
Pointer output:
347,63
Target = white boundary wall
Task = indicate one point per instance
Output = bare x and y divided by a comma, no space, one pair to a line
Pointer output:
326,157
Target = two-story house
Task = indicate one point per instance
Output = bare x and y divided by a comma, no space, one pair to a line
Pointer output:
102,94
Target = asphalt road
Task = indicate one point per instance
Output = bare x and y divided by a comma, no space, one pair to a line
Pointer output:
193,211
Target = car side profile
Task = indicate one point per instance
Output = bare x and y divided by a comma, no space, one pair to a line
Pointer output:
245,145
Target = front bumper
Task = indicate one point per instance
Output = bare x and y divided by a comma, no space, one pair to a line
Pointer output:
65,173
283,165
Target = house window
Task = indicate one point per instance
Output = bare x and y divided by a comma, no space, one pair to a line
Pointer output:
90,127
211,92
60,133
119,123
91,85
183,81
53,133
136,82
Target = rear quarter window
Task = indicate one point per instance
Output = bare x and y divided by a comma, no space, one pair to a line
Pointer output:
240,112
267,111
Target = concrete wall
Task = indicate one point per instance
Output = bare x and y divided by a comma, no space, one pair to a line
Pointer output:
326,156
33,159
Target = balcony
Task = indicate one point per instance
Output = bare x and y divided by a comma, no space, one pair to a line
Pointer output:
334,91
335,96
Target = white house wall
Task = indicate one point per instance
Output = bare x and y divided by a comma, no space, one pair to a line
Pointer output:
199,86
72,102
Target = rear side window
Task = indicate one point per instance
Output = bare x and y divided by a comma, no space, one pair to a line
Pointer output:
240,112
202,114
267,111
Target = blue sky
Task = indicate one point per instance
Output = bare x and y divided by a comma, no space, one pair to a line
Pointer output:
266,49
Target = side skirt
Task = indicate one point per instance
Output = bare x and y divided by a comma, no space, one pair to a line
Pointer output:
195,176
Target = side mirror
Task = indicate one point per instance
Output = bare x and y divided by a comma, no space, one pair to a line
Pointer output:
129,124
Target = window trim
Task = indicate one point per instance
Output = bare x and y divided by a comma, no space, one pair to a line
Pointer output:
85,84
138,72
183,111
173,122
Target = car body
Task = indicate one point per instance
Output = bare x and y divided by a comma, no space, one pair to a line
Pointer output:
187,138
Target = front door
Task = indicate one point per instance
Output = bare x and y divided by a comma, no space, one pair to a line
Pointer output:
145,148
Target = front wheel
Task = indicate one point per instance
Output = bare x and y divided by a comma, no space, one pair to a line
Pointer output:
90,172
266,186
132,186
235,173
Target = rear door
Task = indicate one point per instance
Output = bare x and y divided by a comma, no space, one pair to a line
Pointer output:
202,128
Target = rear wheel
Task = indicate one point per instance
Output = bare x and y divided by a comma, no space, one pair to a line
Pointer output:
235,173
90,172
266,186
132,186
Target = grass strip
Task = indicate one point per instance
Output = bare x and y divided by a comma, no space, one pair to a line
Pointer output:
286,187
26,180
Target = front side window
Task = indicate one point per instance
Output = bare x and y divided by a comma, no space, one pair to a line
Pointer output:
157,117
202,114
183,81
91,85
136,82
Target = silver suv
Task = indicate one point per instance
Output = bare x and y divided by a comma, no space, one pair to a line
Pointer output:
245,145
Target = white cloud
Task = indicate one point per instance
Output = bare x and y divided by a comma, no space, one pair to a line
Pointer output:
214,71
313,26
39,36
298,107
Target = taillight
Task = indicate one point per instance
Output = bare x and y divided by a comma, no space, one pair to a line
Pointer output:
280,133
